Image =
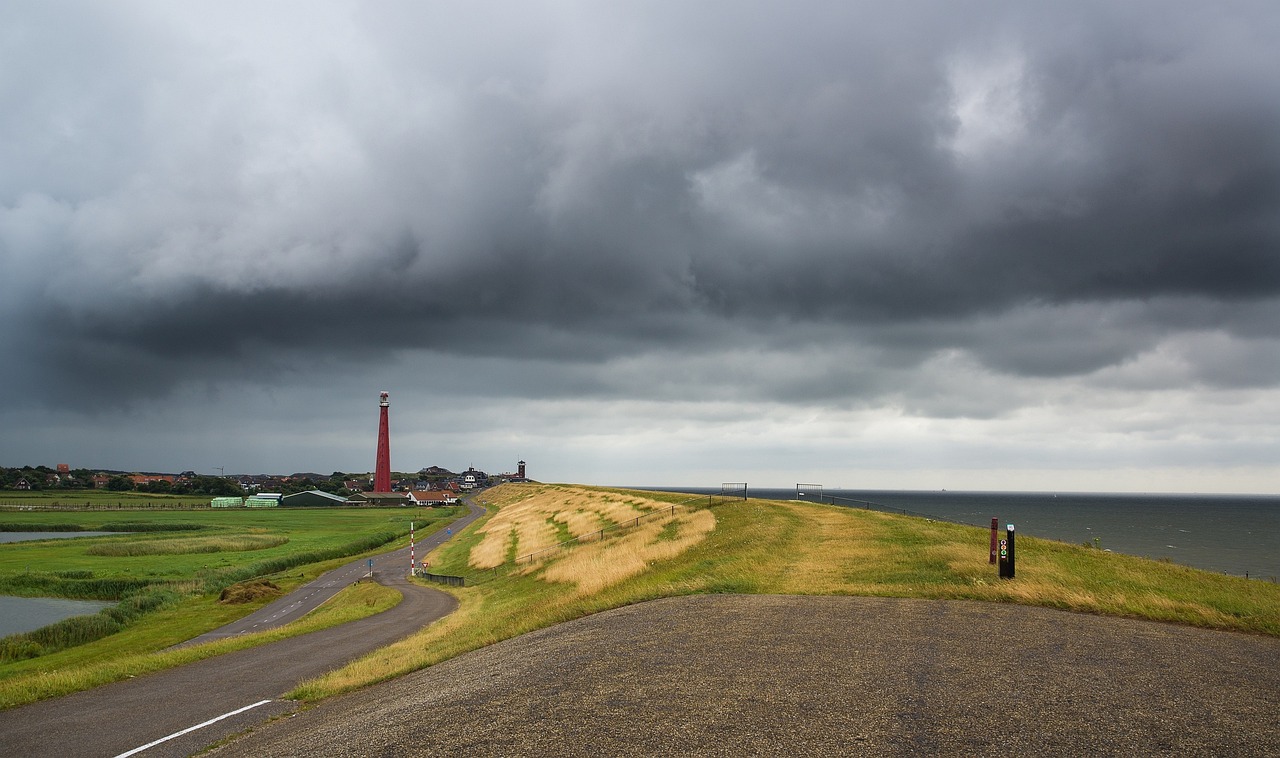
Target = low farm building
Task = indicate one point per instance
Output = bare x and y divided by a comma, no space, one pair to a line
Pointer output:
312,499
434,497
379,498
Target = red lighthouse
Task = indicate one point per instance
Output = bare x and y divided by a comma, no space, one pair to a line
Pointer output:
382,471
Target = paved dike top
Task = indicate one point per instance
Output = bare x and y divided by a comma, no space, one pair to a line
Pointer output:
741,674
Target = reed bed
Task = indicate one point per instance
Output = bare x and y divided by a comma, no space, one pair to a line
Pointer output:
215,580
147,526
76,585
184,545
79,630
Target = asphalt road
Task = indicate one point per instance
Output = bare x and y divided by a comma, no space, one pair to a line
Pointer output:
310,596
118,718
727,675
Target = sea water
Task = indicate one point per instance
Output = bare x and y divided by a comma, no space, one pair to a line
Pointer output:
1231,534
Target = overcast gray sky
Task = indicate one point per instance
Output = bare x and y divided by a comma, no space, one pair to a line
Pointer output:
906,245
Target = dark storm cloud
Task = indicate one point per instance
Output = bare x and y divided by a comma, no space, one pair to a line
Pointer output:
583,183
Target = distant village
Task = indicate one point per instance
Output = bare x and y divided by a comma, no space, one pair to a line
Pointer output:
433,485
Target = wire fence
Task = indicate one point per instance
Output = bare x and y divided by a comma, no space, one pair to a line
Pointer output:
848,502
89,506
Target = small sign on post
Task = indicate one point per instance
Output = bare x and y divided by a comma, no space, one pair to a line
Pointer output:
1007,565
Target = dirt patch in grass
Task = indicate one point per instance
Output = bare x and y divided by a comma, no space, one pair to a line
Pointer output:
248,592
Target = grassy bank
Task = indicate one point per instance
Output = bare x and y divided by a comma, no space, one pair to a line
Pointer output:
759,546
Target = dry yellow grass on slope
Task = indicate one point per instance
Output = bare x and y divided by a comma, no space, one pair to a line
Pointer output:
535,518
596,565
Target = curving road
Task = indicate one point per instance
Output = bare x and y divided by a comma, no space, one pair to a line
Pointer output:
118,719
310,596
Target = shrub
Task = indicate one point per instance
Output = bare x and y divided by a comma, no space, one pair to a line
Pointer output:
11,526
74,574
145,526
80,586
182,545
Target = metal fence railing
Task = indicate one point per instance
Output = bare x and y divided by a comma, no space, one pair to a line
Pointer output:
452,581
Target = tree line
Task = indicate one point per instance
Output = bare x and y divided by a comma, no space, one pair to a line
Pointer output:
44,478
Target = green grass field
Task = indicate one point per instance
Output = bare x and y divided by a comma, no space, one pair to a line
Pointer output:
16,499
173,573
70,567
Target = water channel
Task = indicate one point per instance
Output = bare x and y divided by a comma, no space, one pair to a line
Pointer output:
29,536
24,614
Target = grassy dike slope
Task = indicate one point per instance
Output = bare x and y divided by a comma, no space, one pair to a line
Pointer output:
768,547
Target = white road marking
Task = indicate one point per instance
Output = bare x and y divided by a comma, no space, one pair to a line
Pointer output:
213,720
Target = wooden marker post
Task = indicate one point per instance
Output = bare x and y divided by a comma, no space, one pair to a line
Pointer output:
995,524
